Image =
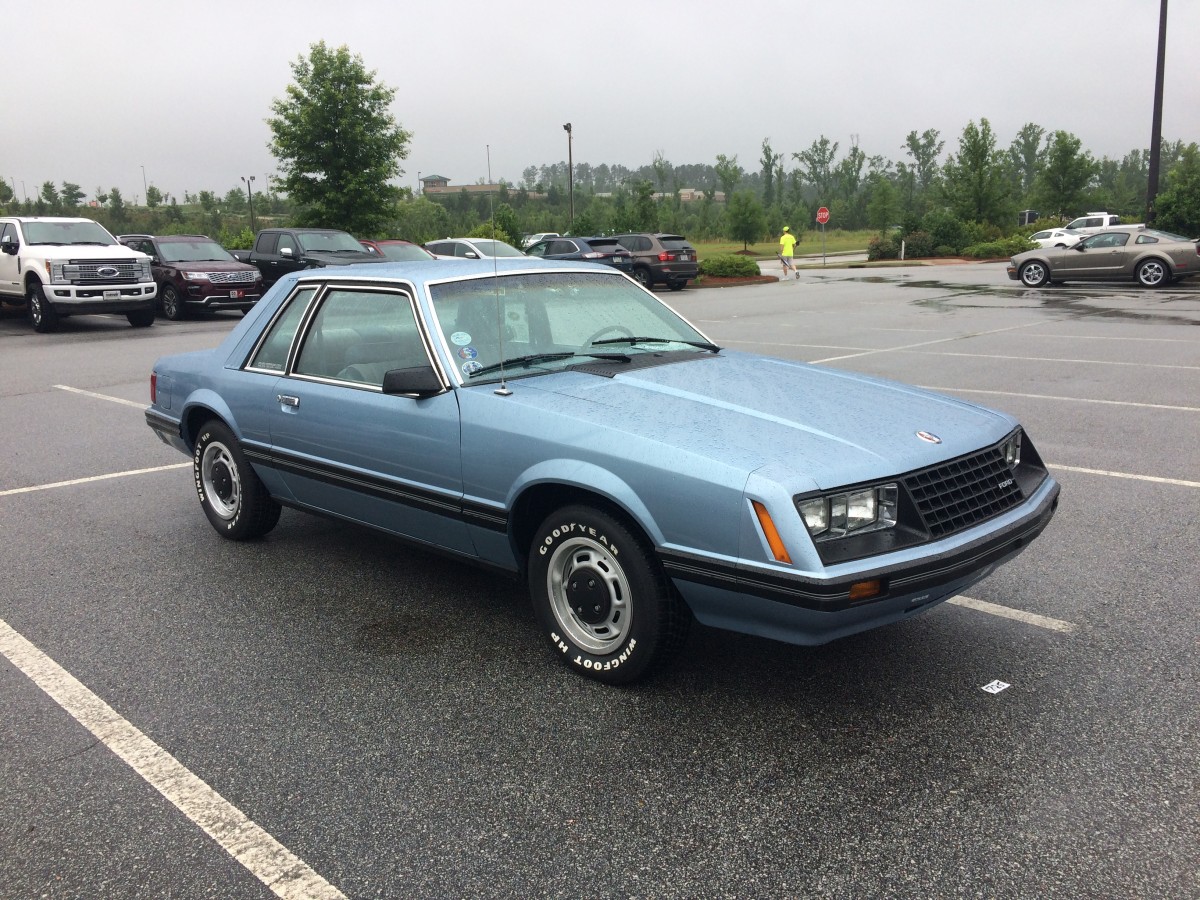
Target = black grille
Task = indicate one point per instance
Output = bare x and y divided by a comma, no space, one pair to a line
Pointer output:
963,492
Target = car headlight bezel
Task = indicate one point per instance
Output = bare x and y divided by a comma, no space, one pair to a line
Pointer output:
858,510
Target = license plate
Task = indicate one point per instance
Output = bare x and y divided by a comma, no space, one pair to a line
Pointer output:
683,257
236,295
112,295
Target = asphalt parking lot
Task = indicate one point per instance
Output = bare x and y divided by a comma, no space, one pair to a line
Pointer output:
330,713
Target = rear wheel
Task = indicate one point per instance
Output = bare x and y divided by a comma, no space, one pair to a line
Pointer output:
601,597
1034,274
234,499
1153,273
676,285
41,313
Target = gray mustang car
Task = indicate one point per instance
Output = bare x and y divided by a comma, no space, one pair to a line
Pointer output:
1154,258
559,423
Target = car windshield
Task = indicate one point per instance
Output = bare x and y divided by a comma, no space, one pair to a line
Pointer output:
329,242
67,233
545,322
404,251
496,248
193,251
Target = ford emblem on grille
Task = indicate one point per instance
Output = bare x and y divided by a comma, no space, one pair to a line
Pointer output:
108,271
930,438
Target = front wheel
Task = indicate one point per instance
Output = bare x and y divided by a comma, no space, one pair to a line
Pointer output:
234,499
642,276
1034,274
172,303
601,598
41,313
1153,273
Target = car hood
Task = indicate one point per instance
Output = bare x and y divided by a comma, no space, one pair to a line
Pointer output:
207,265
85,251
836,427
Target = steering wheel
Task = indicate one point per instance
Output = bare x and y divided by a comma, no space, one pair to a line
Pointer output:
621,329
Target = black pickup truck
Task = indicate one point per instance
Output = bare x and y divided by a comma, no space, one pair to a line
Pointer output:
281,251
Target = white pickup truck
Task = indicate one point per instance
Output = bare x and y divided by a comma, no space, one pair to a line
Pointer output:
1094,222
58,267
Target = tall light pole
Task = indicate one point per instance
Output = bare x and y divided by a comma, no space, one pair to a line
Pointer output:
1156,123
571,176
145,189
250,197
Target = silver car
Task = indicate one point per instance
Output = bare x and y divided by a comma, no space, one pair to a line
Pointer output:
1152,257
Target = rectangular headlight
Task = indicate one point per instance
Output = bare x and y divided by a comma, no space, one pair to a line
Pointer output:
851,512
1012,451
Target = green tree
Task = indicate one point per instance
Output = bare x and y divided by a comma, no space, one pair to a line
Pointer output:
816,167
644,213
1178,207
1065,175
72,195
117,212
506,220
924,150
49,196
207,201
973,180
770,165
1024,154
235,201
336,142
728,173
662,169
421,220
883,209
745,218
154,197
6,192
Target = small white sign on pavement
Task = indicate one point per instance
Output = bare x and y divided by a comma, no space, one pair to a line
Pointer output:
995,687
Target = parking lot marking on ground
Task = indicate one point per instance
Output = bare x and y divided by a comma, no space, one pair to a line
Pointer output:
1053,359
65,387
91,478
1178,482
995,609
268,860
958,390
945,340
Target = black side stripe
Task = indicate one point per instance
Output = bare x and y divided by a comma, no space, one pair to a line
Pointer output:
470,512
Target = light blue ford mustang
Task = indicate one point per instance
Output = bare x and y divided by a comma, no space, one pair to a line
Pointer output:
560,423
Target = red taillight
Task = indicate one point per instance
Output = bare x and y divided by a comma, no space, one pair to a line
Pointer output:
666,257
153,387
593,255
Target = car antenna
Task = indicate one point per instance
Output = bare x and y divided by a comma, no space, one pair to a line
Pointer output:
503,390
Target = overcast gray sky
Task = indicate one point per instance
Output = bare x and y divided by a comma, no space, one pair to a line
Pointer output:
97,90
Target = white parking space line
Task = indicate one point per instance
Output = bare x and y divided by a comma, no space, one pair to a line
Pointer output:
958,390
1178,482
1052,359
946,340
61,484
64,387
264,857
995,609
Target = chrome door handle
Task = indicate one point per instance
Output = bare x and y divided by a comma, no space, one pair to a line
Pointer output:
288,400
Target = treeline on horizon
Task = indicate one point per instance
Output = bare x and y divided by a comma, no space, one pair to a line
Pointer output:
978,182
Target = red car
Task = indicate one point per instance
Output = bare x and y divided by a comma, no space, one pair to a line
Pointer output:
396,249
194,272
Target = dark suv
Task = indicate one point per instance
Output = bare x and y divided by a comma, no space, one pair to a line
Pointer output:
661,259
195,272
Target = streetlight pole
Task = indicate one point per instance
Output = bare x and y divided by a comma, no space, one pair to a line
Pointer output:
145,189
250,197
1156,123
571,176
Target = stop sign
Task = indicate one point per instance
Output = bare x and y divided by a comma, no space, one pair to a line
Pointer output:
822,215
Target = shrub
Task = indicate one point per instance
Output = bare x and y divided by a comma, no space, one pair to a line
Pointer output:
917,245
882,247
730,266
945,229
944,250
998,249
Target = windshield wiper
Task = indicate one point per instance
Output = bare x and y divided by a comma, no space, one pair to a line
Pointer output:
548,357
703,345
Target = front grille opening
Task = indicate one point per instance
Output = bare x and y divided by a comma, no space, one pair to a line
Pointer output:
956,495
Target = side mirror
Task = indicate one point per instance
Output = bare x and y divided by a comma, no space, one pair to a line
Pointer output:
419,380
9,247
285,251
471,254
155,261
1078,246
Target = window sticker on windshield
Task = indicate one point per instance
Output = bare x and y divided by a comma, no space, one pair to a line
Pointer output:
471,367
468,353
461,338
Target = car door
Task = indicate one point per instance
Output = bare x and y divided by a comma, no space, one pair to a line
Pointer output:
10,266
346,448
1101,256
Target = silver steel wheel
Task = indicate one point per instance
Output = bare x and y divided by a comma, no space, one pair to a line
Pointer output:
1034,274
1152,273
589,595
222,483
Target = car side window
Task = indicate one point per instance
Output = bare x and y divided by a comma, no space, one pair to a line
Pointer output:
557,247
643,243
287,242
8,235
272,352
538,249
359,335
463,250
1146,239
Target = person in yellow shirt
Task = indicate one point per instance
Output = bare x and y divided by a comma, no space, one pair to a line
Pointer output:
787,248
